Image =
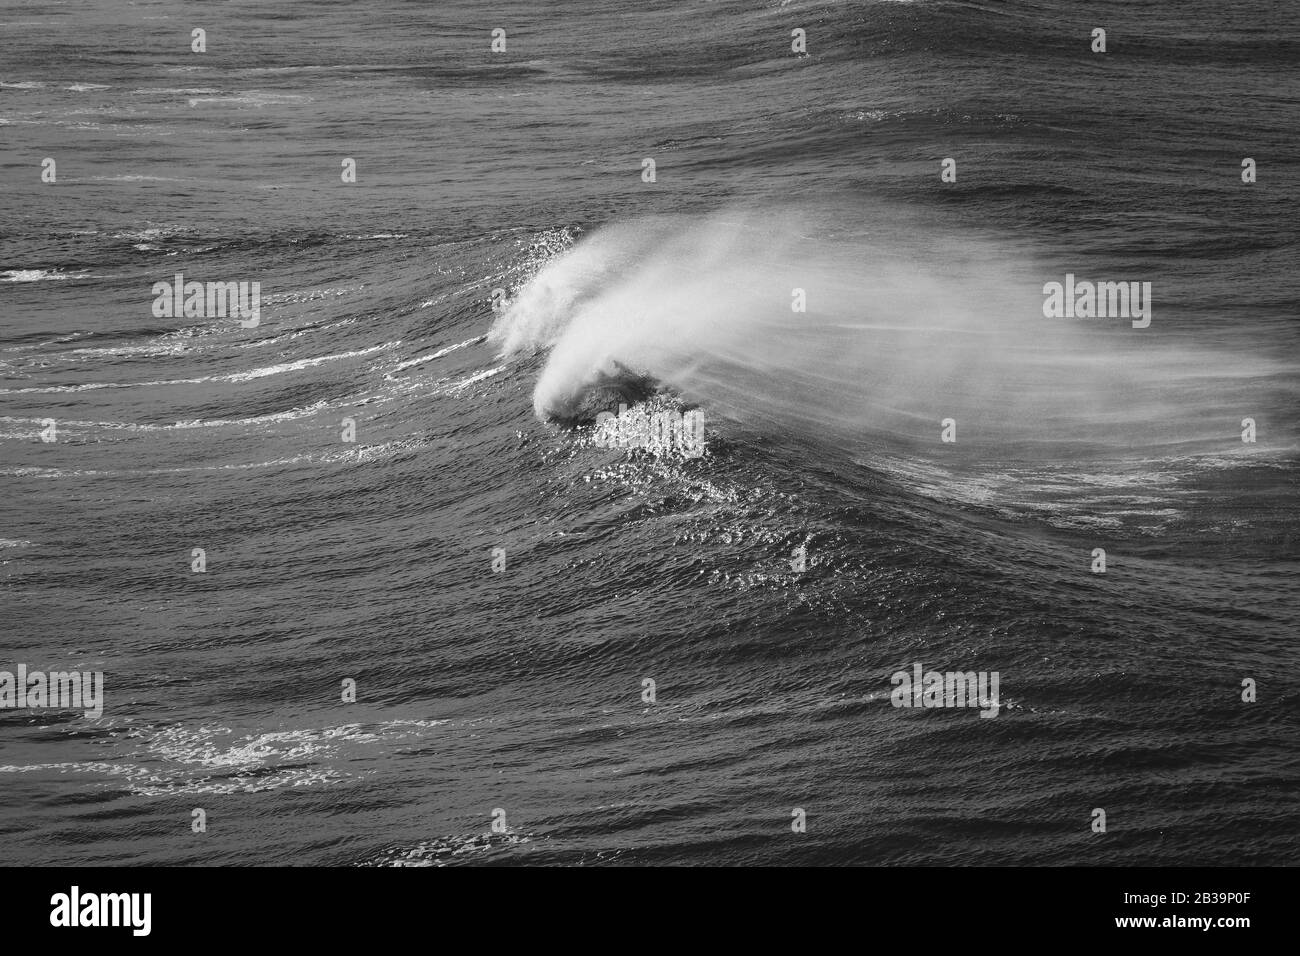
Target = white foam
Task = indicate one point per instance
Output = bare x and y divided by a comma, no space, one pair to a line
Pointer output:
411,363
37,275
233,377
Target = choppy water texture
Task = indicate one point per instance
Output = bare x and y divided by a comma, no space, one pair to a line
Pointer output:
521,690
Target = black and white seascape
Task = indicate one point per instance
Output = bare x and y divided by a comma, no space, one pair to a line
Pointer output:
735,433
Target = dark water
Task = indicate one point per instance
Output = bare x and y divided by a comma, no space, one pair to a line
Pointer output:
521,690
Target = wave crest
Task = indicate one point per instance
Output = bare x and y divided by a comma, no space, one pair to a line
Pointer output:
864,332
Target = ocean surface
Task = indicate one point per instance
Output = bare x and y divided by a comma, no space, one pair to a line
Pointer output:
517,694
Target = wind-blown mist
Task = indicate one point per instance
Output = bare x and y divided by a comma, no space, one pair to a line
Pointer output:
902,329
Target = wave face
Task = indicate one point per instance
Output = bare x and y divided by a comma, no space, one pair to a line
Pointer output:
395,484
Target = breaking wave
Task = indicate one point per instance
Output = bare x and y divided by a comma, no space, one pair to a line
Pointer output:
899,328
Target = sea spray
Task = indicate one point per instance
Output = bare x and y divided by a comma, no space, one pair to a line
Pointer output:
878,332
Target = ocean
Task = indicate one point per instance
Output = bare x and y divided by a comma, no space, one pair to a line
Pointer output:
366,582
